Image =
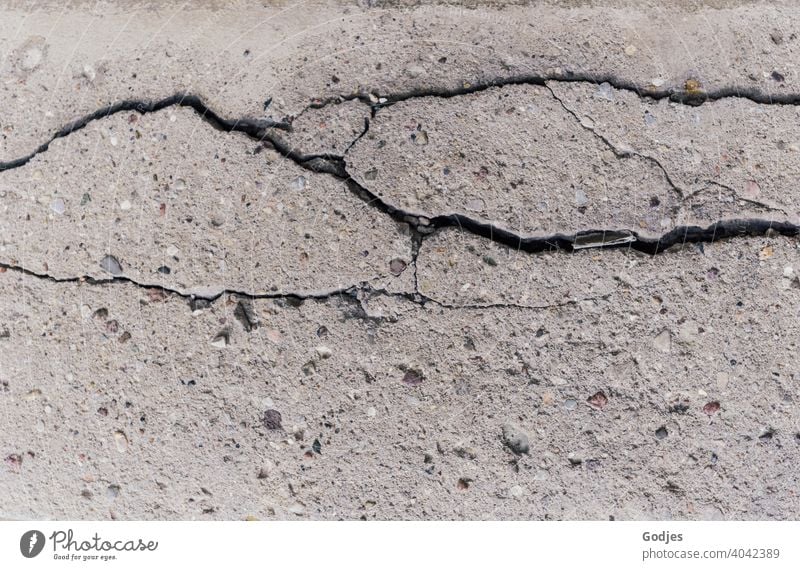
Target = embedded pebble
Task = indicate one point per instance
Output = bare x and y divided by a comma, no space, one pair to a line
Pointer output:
221,340
598,400
324,351
476,205
272,419
89,72
412,378
751,190
121,441
111,265
515,439
397,266
605,91
297,509
32,54
298,183
58,206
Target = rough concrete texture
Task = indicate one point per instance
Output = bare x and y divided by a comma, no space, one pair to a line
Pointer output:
184,206
512,155
393,260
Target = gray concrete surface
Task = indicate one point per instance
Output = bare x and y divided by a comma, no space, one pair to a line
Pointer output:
343,261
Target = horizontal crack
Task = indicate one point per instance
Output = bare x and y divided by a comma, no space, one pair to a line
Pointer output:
629,239
358,293
252,127
693,97
122,279
257,128
424,225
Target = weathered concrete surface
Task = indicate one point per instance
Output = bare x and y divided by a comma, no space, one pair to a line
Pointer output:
181,205
514,156
346,271
131,410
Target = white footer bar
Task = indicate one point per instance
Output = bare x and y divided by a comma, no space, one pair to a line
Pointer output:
406,545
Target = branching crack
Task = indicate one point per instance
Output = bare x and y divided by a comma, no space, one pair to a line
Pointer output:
618,152
732,191
267,132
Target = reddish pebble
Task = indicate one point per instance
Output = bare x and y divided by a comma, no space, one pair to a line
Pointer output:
599,400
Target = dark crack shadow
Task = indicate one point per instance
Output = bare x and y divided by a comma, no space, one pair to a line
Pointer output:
422,225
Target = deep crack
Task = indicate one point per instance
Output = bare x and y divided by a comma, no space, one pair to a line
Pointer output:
252,127
693,97
266,131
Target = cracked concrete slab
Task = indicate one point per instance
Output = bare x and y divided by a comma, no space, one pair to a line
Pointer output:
329,130
330,50
180,205
738,152
639,405
512,156
384,260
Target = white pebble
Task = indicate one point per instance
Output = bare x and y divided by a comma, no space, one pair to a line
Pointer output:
58,206
299,183
121,441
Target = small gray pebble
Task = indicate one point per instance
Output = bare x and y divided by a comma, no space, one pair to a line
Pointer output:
515,439
110,264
